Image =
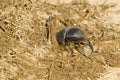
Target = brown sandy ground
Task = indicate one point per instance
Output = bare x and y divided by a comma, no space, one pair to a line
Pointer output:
28,48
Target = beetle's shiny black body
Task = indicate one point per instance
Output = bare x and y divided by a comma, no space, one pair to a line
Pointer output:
72,35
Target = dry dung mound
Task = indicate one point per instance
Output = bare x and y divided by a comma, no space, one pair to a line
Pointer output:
28,47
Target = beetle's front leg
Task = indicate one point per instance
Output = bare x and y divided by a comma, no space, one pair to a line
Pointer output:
81,50
68,42
89,43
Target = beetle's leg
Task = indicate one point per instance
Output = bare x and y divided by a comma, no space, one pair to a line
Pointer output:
89,43
81,50
68,43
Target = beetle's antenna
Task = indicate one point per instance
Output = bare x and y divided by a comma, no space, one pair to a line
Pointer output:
89,43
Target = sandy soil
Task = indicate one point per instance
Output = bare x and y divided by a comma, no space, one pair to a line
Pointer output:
28,47
111,74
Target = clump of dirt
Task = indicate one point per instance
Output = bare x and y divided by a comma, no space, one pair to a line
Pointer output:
28,46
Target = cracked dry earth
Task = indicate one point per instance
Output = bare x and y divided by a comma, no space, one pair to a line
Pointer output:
28,47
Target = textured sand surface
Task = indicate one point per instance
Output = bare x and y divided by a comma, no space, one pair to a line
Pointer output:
28,47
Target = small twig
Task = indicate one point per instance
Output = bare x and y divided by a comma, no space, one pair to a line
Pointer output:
104,2
6,21
50,71
11,23
2,29
31,1
52,60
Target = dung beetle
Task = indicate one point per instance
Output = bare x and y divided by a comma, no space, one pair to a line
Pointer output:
72,35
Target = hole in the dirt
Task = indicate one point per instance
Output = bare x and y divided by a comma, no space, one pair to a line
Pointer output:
11,53
25,5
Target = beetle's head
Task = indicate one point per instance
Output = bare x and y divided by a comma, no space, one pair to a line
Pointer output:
61,43
60,36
